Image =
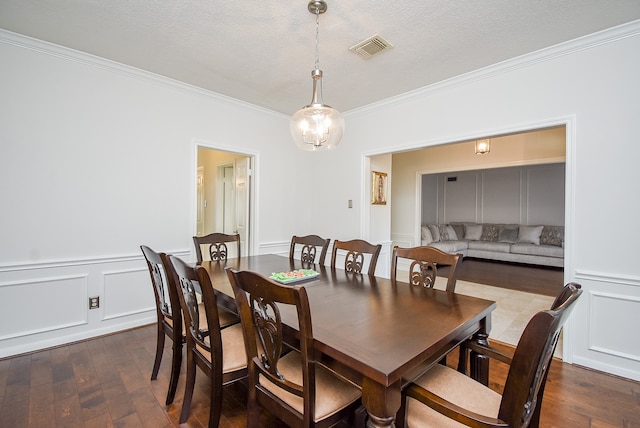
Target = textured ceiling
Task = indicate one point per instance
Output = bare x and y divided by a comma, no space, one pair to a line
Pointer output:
263,52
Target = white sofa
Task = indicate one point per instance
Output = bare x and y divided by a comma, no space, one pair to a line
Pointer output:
539,244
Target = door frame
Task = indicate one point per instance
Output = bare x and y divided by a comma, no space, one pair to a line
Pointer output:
253,188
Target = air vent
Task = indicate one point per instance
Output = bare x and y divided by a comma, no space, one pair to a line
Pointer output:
372,46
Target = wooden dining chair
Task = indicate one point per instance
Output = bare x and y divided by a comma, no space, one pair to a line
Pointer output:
288,383
424,266
444,397
218,352
169,317
216,244
354,258
310,245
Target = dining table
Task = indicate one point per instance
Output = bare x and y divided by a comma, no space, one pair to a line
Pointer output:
377,333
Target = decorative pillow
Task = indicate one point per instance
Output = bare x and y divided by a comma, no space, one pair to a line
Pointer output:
552,235
530,234
426,235
508,234
447,233
489,233
459,229
435,232
472,232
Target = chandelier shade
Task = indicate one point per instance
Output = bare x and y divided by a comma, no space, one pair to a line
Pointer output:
317,126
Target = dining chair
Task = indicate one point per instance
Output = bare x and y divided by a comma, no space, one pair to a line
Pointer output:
354,258
169,317
310,245
218,352
216,245
424,266
444,397
288,383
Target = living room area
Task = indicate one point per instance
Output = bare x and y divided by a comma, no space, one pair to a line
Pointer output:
503,210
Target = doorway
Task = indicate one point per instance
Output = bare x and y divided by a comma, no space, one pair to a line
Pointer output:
224,195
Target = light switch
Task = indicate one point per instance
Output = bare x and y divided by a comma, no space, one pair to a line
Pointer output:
350,203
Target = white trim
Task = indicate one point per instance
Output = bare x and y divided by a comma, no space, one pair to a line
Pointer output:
61,263
589,41
254,196
68,54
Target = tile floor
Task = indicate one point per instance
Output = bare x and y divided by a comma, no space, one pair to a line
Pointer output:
513,312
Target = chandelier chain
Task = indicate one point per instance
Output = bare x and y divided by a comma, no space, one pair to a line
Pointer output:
317,39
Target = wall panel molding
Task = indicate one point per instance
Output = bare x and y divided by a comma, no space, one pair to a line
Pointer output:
42,305
608,329
120,300
51,264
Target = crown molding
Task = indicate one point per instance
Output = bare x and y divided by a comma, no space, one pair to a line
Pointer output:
589,41
68,54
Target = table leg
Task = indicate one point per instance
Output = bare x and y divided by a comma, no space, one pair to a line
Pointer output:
382,403
478,363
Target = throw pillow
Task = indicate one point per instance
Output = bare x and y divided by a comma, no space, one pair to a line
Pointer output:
489,233
426,235
459,229
530,234
447,233
472,232
508,234
435,232
552,235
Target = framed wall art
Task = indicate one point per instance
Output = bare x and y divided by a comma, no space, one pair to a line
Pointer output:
378,188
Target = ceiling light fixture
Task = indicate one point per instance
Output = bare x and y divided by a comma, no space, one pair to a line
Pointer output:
483,146
317,126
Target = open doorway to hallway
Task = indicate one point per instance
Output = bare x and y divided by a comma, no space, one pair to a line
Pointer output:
224,194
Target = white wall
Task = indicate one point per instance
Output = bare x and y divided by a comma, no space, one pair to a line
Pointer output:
591,85
97,159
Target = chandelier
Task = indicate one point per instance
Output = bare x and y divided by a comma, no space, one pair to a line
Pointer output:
317,126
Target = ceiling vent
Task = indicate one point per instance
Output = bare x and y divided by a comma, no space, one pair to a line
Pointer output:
372,46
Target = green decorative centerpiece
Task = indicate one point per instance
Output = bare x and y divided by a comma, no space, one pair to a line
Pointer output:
294,275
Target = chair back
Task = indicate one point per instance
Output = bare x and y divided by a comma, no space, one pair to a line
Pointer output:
259,301
167,300
424,265
354,258
524,387
188,280
216,244
310,245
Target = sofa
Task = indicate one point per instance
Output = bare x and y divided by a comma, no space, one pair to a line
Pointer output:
530,244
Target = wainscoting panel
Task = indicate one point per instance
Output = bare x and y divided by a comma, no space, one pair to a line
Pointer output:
122,297
41,305
605,323
611,316
531,194
46,304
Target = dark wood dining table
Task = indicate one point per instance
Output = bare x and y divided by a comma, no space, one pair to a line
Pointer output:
376,333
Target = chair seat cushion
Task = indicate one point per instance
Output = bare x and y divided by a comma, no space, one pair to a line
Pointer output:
234,356
227,317
456,388
332,392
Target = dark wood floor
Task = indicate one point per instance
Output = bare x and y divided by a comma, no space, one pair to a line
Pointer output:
105,382
529,278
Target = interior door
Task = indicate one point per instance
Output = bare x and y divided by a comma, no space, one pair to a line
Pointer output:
243,185
201,203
